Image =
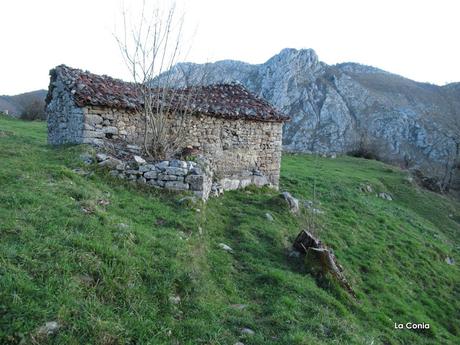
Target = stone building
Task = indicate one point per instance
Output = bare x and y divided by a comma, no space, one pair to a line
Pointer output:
238,132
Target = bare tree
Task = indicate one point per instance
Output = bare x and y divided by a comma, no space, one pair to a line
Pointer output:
151,44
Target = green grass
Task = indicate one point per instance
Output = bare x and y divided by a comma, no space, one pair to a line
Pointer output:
106,272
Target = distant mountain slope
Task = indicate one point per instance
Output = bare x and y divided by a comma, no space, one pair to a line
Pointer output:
18,103
348,106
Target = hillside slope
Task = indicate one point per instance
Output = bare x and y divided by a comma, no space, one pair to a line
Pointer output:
115,264
17,104
343,107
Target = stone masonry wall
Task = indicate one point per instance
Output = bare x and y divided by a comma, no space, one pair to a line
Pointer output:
65,119
238,150
173,175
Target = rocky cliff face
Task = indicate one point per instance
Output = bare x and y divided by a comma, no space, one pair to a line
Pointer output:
346,107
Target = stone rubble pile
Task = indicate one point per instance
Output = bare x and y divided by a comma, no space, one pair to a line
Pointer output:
173,175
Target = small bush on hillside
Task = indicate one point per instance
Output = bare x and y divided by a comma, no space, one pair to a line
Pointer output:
33,110
363,152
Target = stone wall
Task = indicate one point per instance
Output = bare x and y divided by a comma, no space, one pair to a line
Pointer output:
238,150
65,119
172,175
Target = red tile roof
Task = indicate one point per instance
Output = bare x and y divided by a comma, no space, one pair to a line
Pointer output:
219,100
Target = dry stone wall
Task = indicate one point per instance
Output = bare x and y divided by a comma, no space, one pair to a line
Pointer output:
65,119
240,152
172,175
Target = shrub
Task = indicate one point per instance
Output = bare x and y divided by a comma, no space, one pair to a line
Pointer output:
33,110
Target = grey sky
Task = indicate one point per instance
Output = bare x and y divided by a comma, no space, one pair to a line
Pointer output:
417,39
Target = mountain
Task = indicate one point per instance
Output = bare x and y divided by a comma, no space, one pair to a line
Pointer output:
351,107
18,104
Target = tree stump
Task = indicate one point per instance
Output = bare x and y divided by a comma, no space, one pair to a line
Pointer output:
327,262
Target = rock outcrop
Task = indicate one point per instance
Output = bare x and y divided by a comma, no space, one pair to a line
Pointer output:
351,107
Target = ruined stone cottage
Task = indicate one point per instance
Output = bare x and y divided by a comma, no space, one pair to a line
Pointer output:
238,132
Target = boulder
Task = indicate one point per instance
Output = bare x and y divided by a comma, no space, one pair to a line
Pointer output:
292,202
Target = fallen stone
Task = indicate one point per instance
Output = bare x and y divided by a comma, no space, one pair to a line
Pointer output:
81,172
225,247
239,306
110,163
188,200
101,157
247,331
269,217
450,261
385,196
47,330
292,202
174,299
139,160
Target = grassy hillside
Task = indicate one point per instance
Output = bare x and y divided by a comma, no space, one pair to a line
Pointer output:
109,261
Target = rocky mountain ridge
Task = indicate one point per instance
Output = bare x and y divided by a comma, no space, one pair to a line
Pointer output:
336,109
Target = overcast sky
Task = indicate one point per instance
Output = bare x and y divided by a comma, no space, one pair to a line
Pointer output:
417,39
